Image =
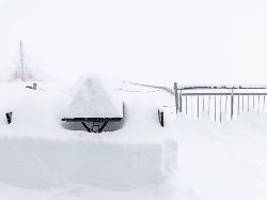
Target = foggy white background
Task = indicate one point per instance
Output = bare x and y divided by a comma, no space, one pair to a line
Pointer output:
188,41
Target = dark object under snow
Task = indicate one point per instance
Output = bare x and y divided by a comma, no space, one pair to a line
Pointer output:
34,86
161,117
96,125
95,107
9,117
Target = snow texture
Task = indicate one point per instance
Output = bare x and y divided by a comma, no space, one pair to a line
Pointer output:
44,163
93,99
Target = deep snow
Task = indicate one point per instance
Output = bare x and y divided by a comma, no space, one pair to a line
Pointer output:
213,161
37,152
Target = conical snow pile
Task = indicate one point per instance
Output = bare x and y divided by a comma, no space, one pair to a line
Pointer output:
93,100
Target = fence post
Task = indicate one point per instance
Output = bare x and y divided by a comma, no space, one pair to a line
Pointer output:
253,103
258,111
176,96
220,108
248,103
161,117
232,103
186,105
264,103
215,107
9,117
238,104
180,101
226,104
197,106
209,106
203,104
243,103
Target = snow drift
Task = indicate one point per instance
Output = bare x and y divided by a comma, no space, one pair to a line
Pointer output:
35,162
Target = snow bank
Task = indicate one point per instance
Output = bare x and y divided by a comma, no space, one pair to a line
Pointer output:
35,162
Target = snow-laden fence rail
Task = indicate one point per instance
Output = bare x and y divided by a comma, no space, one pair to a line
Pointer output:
219,102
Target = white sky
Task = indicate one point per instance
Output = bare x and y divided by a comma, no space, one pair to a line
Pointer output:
190,41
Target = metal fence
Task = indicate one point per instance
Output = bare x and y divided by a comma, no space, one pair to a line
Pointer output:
219,102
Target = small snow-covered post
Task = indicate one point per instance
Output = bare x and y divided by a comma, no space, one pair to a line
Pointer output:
9,117
34,86
175,88
161,117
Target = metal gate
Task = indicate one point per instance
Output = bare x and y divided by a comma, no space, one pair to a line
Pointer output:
219,102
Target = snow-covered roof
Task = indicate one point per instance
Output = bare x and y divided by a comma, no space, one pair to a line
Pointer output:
94,99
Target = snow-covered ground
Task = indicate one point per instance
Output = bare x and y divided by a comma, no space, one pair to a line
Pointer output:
155,42
38,153
42,160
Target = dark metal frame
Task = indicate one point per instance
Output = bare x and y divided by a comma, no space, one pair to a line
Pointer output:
97,124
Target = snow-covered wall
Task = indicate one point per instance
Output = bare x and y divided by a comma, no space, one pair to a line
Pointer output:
35,162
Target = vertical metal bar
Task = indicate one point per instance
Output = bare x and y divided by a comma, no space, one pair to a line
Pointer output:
186,104
175,88
232,103
209,106
181,101
215,105
248,104
226,102
197,106
238,104
243,103
220,109
264,103
192,106
203,104
258,110
253,103
262,106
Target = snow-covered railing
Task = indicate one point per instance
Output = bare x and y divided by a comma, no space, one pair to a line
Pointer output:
219,102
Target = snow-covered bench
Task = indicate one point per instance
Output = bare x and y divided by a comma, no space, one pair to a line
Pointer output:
94,106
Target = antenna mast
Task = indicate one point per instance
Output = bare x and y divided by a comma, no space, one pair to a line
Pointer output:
21,61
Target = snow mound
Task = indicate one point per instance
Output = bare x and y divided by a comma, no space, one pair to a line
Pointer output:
93,99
